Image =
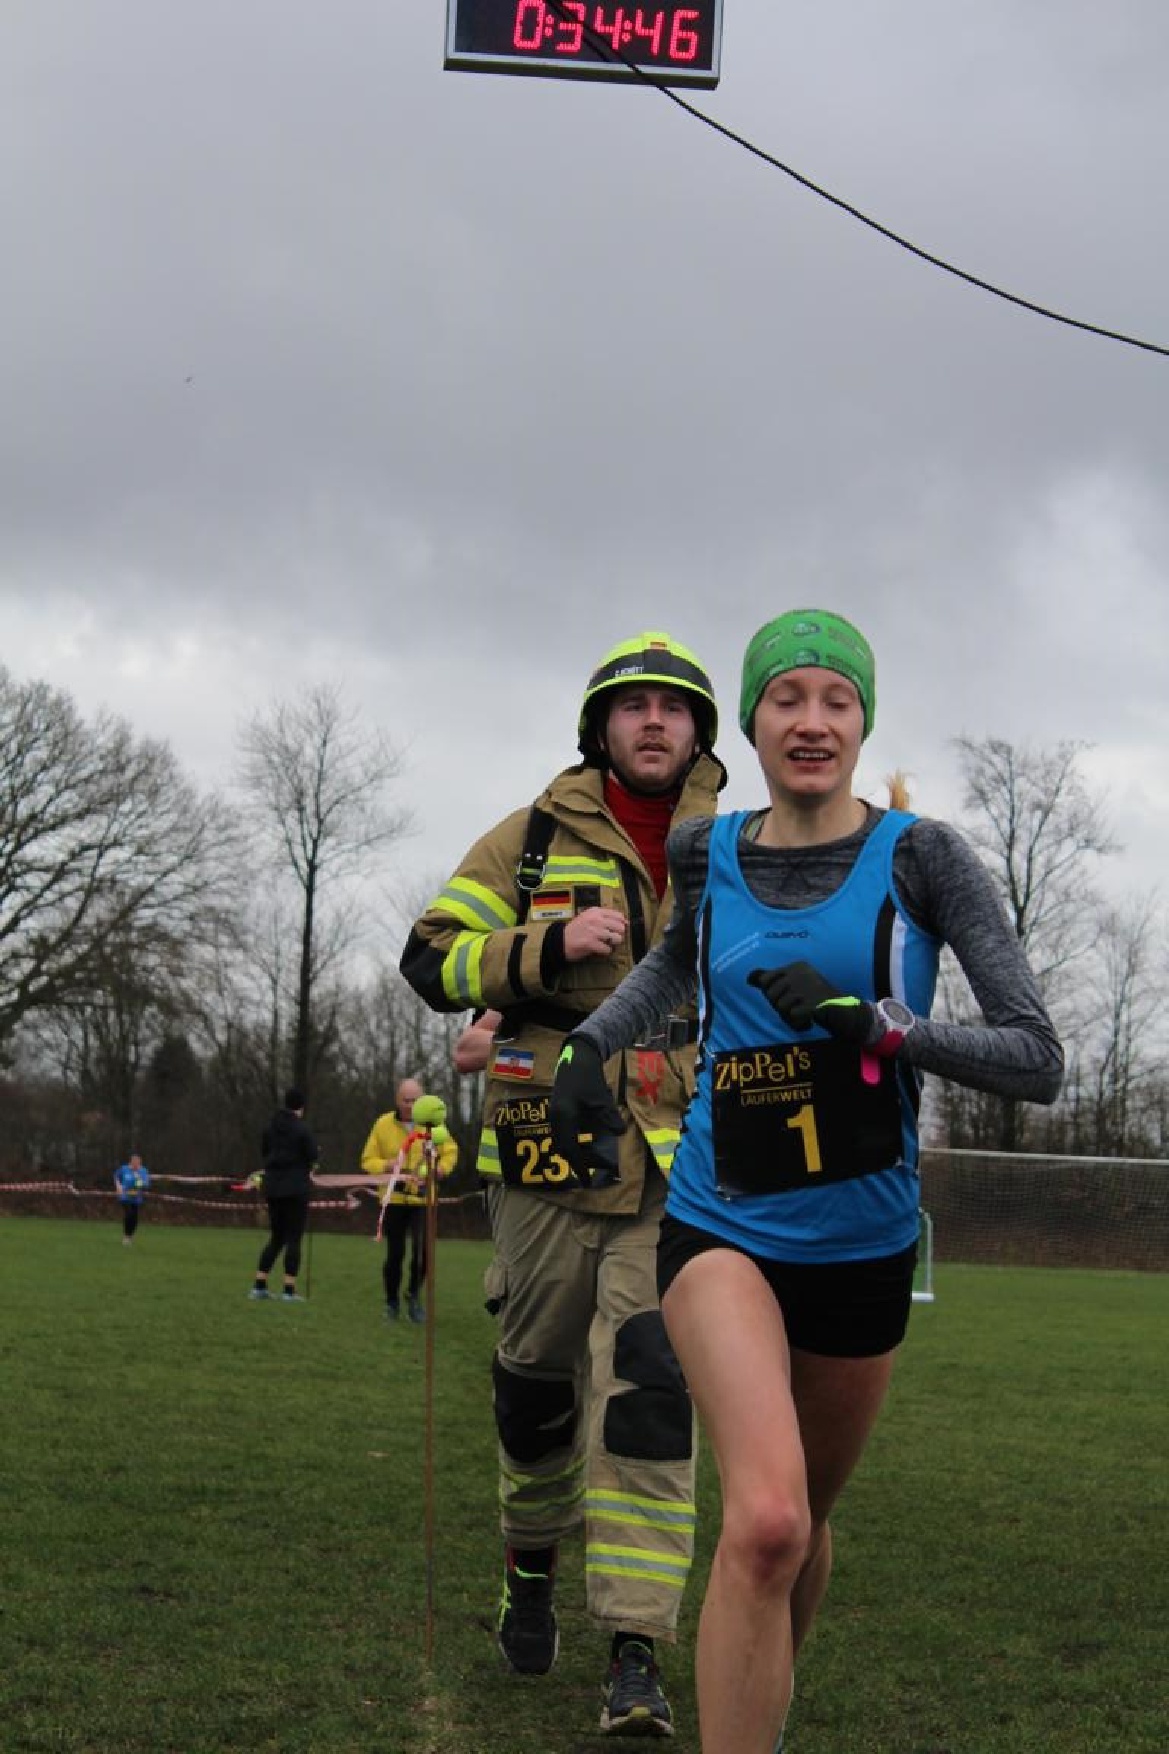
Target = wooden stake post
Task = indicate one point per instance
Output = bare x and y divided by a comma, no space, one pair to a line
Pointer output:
430,1155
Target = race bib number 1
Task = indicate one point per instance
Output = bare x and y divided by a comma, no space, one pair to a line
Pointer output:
800,1114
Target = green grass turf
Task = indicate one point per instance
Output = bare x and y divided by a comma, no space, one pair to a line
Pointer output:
213,1519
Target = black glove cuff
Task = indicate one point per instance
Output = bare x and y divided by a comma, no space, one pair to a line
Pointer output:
581,1047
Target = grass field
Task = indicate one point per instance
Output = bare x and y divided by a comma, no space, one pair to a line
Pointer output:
212,1525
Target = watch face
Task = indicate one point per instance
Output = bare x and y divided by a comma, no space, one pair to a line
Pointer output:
895,1014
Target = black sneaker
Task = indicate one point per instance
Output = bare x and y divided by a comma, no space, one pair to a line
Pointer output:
527,1633
635,1704
391,1312
415,1310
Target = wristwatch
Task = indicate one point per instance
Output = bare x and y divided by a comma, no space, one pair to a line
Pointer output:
896,1021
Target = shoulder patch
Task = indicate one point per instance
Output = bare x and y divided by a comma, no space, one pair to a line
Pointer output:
513,1063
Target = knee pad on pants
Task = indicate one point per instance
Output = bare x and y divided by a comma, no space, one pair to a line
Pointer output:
534,1418
653,1421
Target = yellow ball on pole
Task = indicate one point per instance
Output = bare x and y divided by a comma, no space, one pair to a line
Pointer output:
428,1111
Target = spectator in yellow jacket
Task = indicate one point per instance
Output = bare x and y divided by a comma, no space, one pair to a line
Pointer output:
394,1148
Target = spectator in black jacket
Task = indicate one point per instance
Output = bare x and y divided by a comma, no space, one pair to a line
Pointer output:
290,1151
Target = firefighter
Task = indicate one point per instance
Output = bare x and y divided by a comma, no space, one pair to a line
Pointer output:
543,917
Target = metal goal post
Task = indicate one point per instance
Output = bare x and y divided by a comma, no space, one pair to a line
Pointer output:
923,1282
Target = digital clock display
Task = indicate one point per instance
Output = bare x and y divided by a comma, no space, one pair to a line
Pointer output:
671,43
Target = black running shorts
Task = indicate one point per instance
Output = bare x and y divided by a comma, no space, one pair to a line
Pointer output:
842,1309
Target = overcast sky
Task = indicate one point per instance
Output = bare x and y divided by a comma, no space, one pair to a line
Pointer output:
321,364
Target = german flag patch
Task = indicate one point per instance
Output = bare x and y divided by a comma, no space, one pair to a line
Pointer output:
552,904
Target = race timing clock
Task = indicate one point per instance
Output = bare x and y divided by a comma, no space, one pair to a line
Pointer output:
676,42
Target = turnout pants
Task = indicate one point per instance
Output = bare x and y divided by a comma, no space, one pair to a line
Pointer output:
595,1424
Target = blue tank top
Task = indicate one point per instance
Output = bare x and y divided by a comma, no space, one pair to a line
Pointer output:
796,1147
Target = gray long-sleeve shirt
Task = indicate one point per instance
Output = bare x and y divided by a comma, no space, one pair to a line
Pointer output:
944,889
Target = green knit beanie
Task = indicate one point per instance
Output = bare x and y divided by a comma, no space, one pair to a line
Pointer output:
806,638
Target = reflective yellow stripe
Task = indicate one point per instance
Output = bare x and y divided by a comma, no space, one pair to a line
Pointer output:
534,1495
647,1513
578,868
533,1503
573,1471
636,1562
462,977
475,906
487,1162
663,1142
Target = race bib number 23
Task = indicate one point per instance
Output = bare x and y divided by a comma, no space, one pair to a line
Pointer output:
526,1157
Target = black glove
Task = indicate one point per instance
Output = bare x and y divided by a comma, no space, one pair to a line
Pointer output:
582,1104
803,997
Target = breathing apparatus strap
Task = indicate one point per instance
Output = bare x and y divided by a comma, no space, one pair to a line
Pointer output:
533,859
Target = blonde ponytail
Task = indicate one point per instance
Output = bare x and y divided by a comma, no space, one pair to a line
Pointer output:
898,785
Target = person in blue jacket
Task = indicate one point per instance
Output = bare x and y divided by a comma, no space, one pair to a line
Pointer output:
811,931
131,1181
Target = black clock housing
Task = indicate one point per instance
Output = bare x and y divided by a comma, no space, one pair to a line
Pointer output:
675,42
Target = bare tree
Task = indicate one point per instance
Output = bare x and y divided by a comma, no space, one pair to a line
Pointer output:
1039,830
229,1019
1128,1049
425,1039
389,1034
103,844
99,1047
319,782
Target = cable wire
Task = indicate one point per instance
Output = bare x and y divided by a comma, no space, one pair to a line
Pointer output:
904,243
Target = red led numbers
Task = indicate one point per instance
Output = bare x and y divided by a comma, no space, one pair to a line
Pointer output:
529,24
648,25
574,40
613,28
683,37
669,43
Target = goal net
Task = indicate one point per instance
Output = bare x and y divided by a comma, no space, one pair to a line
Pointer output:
1004,1209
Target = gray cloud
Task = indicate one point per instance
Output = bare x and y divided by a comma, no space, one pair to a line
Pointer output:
316,360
